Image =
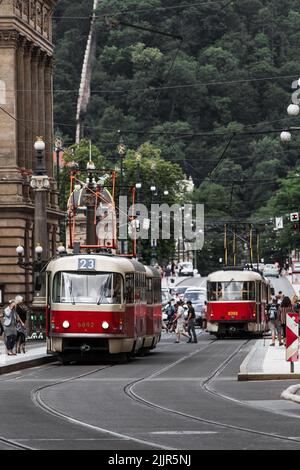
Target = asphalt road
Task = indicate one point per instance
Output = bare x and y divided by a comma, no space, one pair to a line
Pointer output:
180,397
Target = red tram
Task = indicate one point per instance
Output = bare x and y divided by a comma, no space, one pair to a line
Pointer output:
237,301
102,304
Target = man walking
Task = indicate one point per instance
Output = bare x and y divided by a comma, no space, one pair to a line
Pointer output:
191,323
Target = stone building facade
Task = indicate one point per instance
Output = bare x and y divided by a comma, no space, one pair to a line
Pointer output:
26,111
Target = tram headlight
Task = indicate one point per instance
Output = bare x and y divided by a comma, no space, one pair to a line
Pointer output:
66,324
105,325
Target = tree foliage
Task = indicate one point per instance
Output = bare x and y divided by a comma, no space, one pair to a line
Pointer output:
213,102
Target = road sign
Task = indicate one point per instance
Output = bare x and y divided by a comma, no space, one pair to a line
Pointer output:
278,223
294,217
292,338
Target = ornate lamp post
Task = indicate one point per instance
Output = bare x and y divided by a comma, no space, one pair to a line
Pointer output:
90,202
40,184
138,186
58,149
121,152
153,240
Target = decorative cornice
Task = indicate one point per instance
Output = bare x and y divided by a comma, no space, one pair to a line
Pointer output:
9,38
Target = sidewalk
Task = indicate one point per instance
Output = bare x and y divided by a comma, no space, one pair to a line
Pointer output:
266,362
35,355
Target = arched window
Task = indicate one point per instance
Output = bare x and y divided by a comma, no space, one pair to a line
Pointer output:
2,92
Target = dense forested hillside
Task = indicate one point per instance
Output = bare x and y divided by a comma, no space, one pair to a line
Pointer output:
208,83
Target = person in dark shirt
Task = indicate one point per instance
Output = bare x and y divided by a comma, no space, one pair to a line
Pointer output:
191,323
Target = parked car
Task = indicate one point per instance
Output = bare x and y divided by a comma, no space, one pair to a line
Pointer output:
197,295
186,269
180,290
270,270
165,295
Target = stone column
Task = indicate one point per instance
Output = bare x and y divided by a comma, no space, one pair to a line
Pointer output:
49,115
21,104
41,100
28,106
35,94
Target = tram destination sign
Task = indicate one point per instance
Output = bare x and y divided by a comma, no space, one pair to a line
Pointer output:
86,264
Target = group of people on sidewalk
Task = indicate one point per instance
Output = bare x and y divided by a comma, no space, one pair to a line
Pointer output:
182,325
14,326
277,311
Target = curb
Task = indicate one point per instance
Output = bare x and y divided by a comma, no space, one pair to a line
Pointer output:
27,364
290,393
262,376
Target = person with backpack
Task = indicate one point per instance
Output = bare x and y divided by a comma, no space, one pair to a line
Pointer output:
191,323
285,307
274,323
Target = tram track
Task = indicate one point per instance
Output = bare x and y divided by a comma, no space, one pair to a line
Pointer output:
129,391
36,397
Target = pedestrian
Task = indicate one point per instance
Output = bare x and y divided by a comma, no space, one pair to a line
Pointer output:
22,310
204,316
170,311
284,308
191,322
274,323
179,318
168,273
10,327
279,297
173,268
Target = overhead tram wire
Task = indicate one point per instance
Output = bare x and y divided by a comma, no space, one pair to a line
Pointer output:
148,10
187,85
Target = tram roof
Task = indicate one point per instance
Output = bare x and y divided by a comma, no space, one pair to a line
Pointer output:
152,272
103,263
226,276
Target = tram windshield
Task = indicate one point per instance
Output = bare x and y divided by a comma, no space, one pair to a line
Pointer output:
231,291
87,288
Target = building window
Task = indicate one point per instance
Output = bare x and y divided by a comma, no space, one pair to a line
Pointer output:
2,92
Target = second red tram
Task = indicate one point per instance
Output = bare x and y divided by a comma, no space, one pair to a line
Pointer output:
102,304
237,301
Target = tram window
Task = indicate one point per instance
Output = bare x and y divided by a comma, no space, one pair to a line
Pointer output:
129,289
231,291
156,291
248,291
149,294
87,288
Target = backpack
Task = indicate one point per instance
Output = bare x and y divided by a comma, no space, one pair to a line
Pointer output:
273,312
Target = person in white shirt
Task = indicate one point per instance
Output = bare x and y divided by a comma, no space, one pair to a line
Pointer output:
179,318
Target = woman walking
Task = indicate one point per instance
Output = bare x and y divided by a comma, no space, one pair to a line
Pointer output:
21,310
10,327
285,307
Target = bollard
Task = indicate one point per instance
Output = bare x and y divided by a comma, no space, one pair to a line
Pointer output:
292,339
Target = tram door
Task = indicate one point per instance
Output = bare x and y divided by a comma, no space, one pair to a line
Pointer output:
258,290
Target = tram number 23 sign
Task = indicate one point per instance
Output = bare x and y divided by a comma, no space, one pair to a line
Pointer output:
292,337
86,264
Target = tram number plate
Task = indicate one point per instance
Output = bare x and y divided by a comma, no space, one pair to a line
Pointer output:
87,264
233,314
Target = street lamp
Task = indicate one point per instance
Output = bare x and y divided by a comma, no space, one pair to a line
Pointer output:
153,240
121,152
90,204
58,149
293,110
40,184
37,264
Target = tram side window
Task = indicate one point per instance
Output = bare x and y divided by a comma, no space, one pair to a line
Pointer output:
149,293
156,291
129,288
214,291
248,291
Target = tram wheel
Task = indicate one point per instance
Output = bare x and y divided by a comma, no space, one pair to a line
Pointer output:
63,359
